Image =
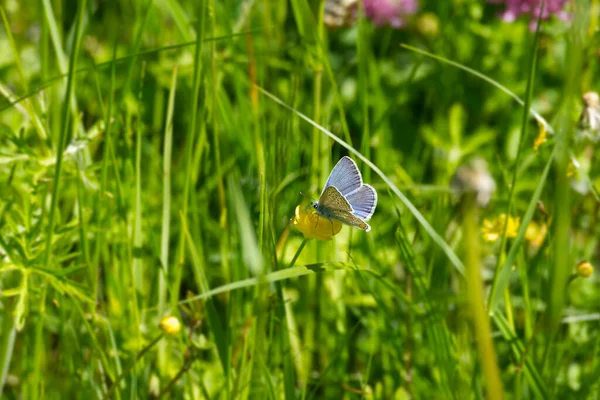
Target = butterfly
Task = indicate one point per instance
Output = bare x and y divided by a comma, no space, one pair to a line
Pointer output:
345,198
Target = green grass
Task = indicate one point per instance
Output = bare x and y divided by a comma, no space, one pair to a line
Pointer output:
152,154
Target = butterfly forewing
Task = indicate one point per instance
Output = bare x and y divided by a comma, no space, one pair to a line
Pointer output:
345,176
363,201
332,199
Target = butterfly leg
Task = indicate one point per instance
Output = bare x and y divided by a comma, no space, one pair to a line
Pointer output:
332,230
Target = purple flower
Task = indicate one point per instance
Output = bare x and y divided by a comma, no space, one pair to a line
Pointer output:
389,12
515,8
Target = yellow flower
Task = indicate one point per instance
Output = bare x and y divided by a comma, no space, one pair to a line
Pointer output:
428,24
313,226
170,325
535,234
585,269
492,228
572,169
542,136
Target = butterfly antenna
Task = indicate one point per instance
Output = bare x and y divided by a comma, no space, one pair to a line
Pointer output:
304,197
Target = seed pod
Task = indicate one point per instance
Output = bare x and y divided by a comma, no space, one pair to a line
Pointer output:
590,116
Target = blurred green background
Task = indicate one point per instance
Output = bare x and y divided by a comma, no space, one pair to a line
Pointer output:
146,170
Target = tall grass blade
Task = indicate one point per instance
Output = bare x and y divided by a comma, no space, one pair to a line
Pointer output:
166,210
505,270
60,146
481,76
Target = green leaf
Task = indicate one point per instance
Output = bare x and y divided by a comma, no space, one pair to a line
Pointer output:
305,20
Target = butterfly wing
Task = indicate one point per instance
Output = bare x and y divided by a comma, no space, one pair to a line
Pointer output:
333,199
345,177
363,201
350,219
334,205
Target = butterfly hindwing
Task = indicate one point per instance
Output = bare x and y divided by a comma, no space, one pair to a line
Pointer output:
350,219
363,201
345,177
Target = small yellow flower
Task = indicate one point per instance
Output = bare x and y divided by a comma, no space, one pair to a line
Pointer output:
585,269
428,24
313,226
492,228
572,169
536,233
542,136
170,325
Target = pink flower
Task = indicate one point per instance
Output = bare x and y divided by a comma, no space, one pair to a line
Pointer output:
389,12
515,8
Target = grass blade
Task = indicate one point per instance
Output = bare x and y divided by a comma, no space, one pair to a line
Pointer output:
166,212
481,76
60,146
504,272
524,123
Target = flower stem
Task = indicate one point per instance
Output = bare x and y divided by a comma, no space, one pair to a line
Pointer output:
137,358
186,366
480,318
287,342
298,253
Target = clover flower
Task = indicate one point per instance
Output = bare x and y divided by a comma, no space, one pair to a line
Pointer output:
516,8
492,229
389,12
313,226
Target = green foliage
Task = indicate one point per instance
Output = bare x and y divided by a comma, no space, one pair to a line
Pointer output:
151,156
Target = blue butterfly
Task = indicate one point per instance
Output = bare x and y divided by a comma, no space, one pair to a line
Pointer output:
345,198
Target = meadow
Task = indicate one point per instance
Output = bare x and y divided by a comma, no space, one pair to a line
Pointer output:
157,163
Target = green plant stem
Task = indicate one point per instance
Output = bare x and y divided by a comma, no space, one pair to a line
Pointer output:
480,319
520,149
39,337
64,133
286,341
191,134
186,366
129,368
293,262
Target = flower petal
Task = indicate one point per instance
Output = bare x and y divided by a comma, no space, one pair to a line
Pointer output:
313,226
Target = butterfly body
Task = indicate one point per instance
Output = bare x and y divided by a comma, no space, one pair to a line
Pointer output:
345,198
